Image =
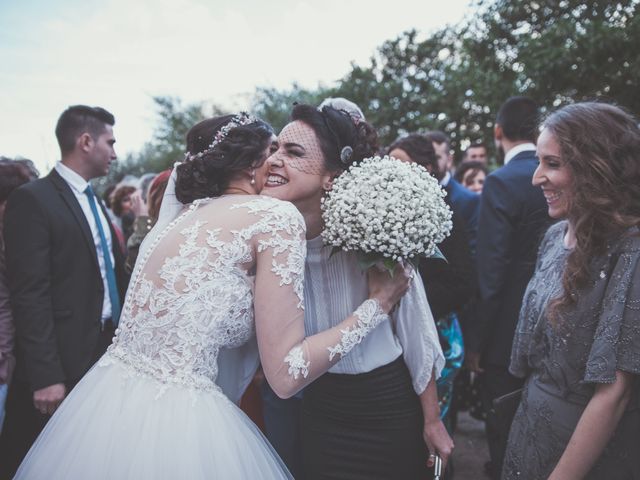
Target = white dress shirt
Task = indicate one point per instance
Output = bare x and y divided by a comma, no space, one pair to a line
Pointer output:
445,180
335,287
523,147
78,186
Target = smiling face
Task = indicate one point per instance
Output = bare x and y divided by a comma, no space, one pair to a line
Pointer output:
474,180
297,172
553,176
260,173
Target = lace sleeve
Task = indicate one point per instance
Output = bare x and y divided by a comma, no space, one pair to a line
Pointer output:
289,360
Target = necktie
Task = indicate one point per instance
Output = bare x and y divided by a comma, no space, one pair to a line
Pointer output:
108,266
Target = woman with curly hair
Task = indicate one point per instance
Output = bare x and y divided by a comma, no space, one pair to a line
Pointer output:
578,337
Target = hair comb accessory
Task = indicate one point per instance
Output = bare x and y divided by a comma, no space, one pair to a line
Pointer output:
345,154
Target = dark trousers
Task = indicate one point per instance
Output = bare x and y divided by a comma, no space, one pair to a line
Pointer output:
23,423
282,427
497,381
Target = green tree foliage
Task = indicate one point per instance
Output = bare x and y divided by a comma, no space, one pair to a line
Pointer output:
455,79
274,106
568,50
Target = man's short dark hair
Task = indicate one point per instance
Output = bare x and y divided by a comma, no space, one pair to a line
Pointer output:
518,117
436,136
477,145
79,119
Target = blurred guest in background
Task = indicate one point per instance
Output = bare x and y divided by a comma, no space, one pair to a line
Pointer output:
471,175
476,152
146,214
121,206
12,175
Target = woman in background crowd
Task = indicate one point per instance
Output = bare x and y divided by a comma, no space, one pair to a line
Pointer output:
146,214
12,175
472,175
121,207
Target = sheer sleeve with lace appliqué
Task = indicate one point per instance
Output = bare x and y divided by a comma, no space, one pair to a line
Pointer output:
289,359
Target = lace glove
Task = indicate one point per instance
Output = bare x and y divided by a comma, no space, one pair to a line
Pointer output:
367,317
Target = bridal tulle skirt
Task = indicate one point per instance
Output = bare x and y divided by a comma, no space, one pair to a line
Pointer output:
115,425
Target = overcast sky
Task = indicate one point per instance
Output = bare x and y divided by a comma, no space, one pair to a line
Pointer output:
119,53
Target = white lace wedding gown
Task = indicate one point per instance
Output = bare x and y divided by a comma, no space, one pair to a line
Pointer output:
151,408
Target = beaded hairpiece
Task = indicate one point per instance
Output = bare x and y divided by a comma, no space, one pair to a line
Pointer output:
243,118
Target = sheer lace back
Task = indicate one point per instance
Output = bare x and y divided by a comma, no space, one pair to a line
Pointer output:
191,293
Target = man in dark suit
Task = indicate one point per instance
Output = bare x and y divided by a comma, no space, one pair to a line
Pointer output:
464,202
66,278
513,218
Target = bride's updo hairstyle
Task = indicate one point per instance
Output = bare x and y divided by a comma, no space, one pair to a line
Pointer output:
343,139
207,169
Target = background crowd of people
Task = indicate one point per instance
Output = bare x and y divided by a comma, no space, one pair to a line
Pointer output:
541,289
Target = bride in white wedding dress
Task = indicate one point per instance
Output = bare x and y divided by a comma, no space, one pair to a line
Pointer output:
217,274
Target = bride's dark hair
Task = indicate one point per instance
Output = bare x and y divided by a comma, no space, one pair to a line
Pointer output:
335,130
208,175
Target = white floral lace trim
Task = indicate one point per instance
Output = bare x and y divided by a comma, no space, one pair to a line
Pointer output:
175,321
297,364
370,315
145,369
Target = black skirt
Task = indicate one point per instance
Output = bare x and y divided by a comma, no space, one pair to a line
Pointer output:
366,426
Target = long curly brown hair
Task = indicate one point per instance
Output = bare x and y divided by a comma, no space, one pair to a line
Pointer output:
600,144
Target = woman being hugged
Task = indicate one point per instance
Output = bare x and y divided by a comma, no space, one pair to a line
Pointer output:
222,267
578,337
372,414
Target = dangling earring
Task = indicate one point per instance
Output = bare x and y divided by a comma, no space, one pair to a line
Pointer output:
253,177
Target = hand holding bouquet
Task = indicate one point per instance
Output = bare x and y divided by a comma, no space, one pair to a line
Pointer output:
386,211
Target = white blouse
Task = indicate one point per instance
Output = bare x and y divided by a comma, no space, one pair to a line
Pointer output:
335,287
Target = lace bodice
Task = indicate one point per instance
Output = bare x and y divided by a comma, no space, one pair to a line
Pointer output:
191,292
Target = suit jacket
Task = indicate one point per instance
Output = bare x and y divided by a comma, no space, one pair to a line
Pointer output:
55,282
466,204
7,360
513,219
450,285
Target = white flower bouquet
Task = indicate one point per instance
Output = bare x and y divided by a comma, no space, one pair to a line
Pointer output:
386,211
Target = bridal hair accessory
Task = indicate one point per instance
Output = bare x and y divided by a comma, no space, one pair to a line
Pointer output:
345,155
243,118
341,103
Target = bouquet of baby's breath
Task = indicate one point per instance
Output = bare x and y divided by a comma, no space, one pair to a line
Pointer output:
386,211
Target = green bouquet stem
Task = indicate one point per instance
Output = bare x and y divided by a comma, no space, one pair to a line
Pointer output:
366,260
